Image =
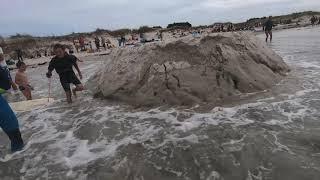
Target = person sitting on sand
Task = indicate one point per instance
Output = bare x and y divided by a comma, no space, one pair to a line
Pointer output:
22,81
267,27
8,120
63,64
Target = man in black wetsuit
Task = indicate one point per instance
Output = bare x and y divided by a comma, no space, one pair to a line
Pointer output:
63,64
267,27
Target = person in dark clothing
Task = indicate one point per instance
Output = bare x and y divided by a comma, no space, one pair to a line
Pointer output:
103,43
313,20
97,42
123,41
267,27
8,120
19,54
63,64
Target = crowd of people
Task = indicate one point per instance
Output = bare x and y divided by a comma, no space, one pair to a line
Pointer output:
314,20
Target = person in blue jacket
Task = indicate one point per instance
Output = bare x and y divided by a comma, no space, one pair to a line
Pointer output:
8,120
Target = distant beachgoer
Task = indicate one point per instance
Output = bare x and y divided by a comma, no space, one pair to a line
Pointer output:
22,81
38,54
123,40
267,27
313,20
119,41
90,46
103,42
19,54
82,45
63,64
97,43
108,42
8,120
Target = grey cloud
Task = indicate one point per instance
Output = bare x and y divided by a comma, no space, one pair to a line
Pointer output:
65,16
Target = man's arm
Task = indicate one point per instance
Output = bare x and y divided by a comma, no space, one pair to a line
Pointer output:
75,64
50,69
78,69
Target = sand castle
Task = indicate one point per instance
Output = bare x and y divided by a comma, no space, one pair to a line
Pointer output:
189,70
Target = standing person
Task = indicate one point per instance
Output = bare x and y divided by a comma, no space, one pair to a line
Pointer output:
22,80
108,43
313,20
267,27
161,36
19,54
97,42
119,41
63,64
82,45
8,120
103,42
123,40
90,46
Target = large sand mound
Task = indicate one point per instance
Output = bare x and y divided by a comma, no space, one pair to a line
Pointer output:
189,70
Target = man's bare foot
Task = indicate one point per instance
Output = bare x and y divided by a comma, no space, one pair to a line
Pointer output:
74,92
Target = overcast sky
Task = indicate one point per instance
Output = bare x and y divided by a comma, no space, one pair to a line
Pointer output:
47,17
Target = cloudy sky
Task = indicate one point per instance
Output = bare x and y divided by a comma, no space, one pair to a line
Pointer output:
47,17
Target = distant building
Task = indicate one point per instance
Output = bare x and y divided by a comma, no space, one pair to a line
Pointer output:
180,25
157,27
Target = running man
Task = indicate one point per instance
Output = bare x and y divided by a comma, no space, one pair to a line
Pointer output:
63,64
267,27
8,120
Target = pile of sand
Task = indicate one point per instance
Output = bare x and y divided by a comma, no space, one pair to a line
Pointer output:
189,70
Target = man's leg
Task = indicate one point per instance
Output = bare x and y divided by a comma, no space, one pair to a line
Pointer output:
270,32
16,140
68,95
267,36
66,86
10,125
27,93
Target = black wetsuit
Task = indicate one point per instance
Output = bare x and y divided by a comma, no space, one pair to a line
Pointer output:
268,25
63,67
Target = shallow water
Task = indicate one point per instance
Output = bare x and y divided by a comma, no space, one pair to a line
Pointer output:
271,135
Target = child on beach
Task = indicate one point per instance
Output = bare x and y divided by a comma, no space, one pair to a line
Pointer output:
22,81
63,64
